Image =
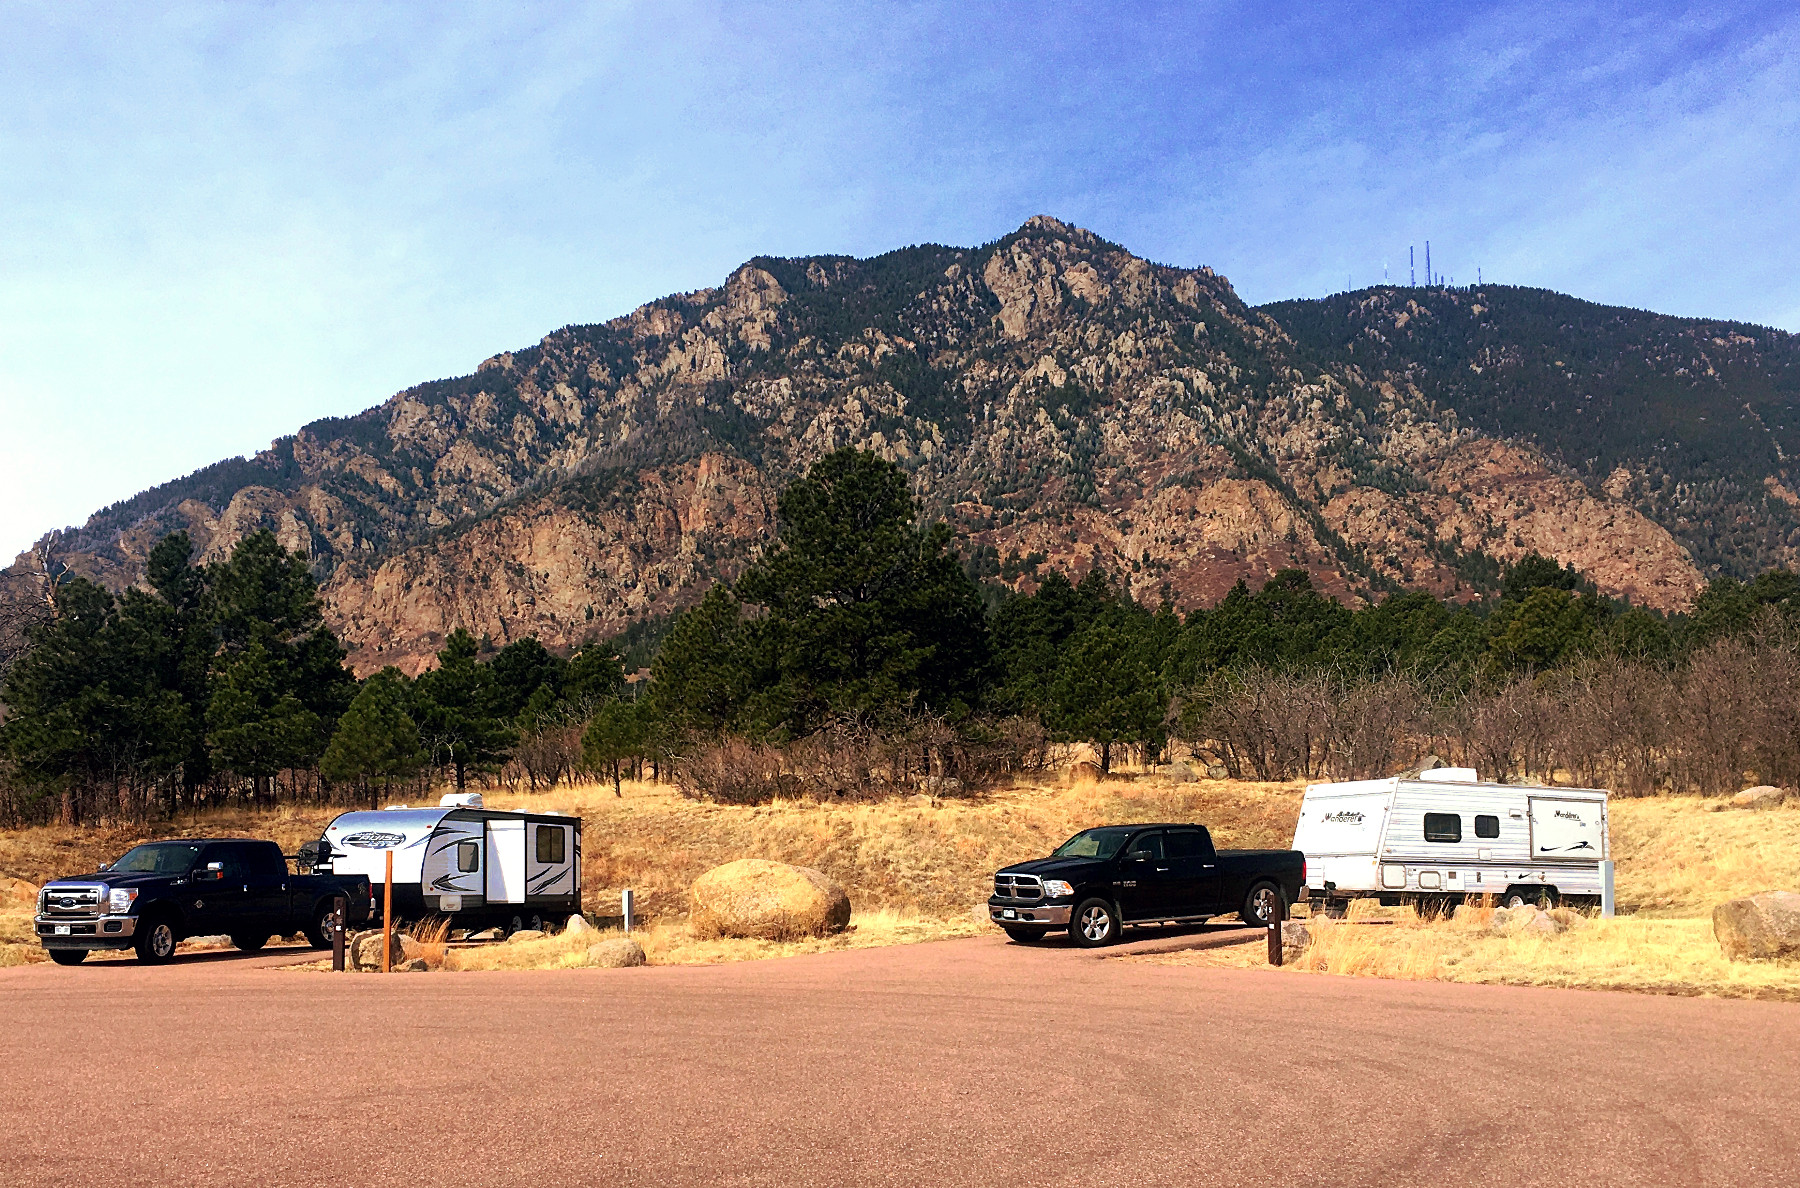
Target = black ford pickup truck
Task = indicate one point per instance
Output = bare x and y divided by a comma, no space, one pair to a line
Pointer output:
160,893
1102,879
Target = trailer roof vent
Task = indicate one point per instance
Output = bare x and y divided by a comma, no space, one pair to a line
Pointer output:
1450,775
460,800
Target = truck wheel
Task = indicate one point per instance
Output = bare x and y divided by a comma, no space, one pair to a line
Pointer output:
1259,905
1024,935
318,933
68,956
156,941
249,944
1094,923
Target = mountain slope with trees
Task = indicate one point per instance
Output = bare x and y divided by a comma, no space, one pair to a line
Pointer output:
1061,404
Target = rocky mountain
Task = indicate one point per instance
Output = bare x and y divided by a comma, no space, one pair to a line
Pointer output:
1060,401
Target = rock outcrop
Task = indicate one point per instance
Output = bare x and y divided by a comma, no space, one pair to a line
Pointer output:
1764,925
1761,796
764,900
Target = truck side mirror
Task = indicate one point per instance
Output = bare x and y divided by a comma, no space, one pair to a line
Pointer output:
211,873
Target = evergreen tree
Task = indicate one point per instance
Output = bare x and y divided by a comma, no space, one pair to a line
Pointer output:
459,709
698,681
377,742
616,736
867,615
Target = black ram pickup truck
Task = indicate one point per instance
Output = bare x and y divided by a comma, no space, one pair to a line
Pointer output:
160,893
1103,879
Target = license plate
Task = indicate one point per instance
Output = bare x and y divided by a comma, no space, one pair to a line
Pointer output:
1009,914
62,930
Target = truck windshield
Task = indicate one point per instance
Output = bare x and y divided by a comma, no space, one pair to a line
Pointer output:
161,858
1093,843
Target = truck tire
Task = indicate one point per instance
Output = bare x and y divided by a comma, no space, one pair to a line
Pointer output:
1259,903
324,919
156,940
1094,922
68,956
248,943
1024,935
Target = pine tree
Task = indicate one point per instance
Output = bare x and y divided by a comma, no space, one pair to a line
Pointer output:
458,708
377,742
616,736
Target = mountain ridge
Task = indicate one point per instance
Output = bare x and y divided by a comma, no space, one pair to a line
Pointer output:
1059,401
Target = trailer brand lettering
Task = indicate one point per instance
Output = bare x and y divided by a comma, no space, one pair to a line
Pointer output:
1345,817
1575,817
374,841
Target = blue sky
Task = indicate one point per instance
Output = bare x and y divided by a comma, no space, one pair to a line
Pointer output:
220,221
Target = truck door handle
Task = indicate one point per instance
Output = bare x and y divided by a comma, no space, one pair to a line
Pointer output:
1208,866
1162,870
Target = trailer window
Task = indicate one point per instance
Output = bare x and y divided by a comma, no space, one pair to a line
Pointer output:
1487,826
468,857
549,843
1443,827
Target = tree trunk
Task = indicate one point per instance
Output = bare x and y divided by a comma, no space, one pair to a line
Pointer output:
1105,757
459,775
617,791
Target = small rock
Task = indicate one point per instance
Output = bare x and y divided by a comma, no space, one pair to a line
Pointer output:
941,786
923,800
1295,936
526,934
1761,796
208,942
416,965
1525,919
487,934
1764,925
578,926
1216,771
1176,773
616,953
1084,773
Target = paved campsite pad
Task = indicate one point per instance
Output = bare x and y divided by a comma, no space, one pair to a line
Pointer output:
959,1062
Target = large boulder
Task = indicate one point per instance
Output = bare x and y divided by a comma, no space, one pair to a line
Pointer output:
1761,796
1766,925
364,951
1176,773
617,953
765,900
1084,772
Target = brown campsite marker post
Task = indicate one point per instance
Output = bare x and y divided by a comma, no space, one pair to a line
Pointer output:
339,908
387,914
1277,913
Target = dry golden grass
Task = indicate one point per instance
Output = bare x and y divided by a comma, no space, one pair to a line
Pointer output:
916,871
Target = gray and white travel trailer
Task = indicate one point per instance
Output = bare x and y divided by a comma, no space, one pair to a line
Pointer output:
1444,836
480,867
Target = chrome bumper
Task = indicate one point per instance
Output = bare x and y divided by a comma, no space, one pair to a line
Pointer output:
1046,914
104,932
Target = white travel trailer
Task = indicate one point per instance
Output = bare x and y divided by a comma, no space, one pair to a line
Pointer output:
1444,836
478,866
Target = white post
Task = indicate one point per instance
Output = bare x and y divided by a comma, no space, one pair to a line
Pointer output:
1606,889
625,906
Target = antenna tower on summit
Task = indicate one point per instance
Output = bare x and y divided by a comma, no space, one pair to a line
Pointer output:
1412,277
1428,262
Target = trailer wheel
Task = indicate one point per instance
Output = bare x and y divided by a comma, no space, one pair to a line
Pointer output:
1026,935
1259,905
1095,922
516,924
248,943
1513,898
68,956
536,922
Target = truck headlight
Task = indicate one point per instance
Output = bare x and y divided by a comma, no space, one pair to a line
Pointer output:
1057,889
119,900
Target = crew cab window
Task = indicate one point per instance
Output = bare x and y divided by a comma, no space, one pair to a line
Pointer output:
1147,846
468,857
549,843
1443,827
165,858
1487,825
1184,843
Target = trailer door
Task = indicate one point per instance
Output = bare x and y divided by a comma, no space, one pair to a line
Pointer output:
1567,828
505,861
549,859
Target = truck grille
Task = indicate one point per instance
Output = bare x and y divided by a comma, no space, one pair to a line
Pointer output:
1018,886
72,901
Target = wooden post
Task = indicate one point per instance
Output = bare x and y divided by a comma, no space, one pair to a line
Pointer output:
1277,913
625,906
339,909
387,914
